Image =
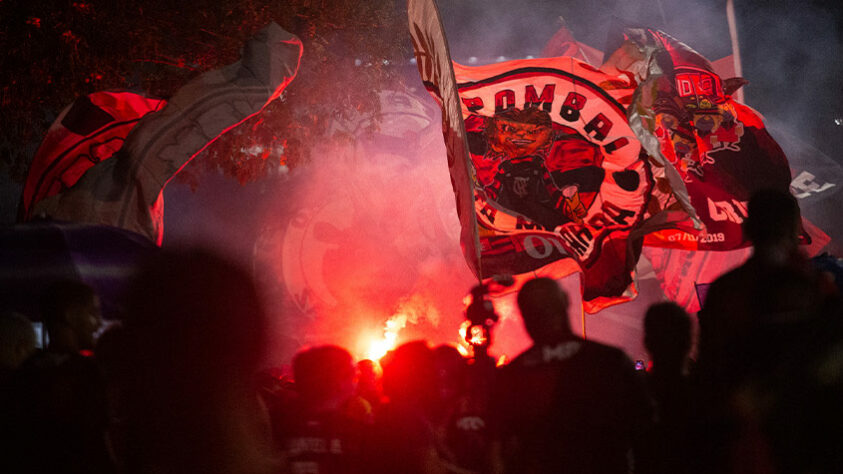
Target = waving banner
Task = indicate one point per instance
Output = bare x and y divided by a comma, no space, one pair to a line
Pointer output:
709,151
719,147
557,177
87,132
127,190
437,73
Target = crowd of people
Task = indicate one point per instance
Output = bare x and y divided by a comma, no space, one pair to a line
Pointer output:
179,386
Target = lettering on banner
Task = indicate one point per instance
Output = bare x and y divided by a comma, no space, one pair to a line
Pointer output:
704,238
532,99
579,239
570,110
576,239
806,184
540,251
490,212
732,211
697,82
504,100
597,127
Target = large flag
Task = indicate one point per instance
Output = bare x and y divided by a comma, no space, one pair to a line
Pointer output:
127,190
87,132
708,151
555,173
686,117
437,73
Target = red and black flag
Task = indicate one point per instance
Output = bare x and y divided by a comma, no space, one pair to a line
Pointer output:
89,131
709,154
718,148
556,178
79,183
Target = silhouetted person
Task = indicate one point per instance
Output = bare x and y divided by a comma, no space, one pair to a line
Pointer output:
368,382
71,314
275,388
114,363
193,341
404,439
776,287
17,342
451,374
565,404
667,338
461,412
315,433
59,395
757,319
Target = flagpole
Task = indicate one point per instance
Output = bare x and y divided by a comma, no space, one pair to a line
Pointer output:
582,307
582,315
736,51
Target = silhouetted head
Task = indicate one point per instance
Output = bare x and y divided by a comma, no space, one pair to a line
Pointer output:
367,375
196,312
773,219
451,369
194,338
17,340
71,313
408,373
324,373
667,334
544,309
366,369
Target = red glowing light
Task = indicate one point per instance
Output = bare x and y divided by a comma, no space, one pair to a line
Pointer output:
478,337
379,346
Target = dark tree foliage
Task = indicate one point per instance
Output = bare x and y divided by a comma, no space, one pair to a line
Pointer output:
55,51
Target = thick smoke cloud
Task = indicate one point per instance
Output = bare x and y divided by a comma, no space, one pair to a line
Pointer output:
365,233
